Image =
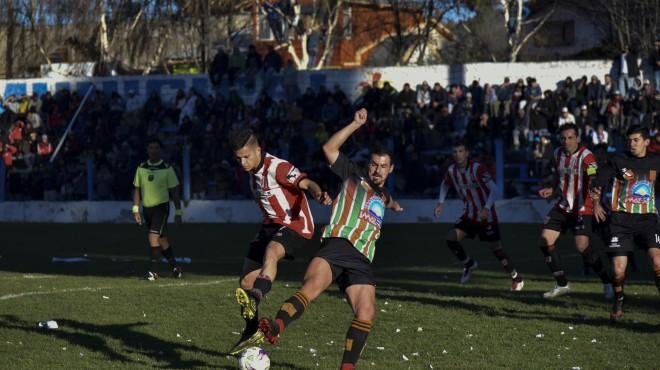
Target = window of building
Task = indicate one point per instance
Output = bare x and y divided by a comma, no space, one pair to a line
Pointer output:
347,22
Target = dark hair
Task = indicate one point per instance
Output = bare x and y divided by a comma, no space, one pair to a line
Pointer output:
639,130
380,149
462,143
156,140
569,126
241,137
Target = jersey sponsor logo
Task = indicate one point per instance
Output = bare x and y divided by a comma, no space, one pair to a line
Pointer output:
641,193
151,177
374,212
627,174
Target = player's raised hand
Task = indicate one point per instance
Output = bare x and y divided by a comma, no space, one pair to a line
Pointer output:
138,218
438,210
545,193
360,117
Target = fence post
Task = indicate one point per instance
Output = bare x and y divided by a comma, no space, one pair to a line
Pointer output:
3,180
185,168
90,179
499,166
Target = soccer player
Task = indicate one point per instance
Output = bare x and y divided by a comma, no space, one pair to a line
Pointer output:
574,167
348,244
278,188
155,184
475,186
633,176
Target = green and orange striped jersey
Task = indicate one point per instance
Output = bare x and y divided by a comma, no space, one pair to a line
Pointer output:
358,209
634,183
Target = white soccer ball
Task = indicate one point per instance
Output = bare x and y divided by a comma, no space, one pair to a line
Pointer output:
254,358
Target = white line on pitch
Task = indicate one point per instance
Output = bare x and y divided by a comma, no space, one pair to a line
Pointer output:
94,289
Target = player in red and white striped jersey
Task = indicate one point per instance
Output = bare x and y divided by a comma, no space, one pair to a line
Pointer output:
476,188
278,188
574,166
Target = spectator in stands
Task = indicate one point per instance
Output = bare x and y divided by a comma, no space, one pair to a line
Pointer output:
628,69
599,136
8,153
44,148
565,117
438,97
585,122
423,97
504,95
272,60
219,67
407,98
236,65
655,64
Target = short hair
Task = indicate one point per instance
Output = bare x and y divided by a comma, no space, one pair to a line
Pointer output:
643,131
156,140
379,149
241,137
569,126
462,143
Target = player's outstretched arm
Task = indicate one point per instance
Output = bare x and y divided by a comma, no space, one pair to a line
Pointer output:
315,190
394,205
136,206
331,147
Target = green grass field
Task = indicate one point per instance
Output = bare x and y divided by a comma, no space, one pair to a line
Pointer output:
110,318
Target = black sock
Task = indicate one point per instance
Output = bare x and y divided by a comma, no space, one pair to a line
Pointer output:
291,310
593,260
155,257
552,260
657,279
261,287
457,249
617,283
356,338
169,256
500,254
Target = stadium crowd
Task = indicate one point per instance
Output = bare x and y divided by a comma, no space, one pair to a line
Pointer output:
417,122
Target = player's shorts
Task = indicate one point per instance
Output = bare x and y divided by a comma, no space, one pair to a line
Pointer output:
289,239
630,229
348,265
155,218
559,221
487,232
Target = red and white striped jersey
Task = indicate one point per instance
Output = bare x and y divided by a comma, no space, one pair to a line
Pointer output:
573,171
275,188
475,186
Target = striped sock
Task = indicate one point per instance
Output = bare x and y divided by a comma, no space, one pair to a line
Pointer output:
291,310
501,256
356,338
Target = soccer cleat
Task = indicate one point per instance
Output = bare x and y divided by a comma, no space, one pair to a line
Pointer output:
557,291
617,310
270,329
177,272
608,291
151,276
467,270
247,341
517,286
247,302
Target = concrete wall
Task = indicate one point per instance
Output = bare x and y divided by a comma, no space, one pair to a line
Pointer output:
245,211
547,73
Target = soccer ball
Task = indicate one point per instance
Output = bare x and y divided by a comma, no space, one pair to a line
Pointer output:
254,358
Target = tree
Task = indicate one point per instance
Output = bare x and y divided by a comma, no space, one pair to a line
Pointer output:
520,25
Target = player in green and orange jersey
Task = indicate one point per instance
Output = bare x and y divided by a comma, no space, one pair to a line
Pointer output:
348,243
633,177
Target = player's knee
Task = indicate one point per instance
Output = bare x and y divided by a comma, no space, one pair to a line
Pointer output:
452,235
545,245
365,313
274,252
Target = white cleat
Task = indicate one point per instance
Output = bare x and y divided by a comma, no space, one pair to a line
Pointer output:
557,291
517,286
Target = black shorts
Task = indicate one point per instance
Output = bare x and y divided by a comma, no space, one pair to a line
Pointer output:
487,232
559,221
290,239
155,218
629,229
348,265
